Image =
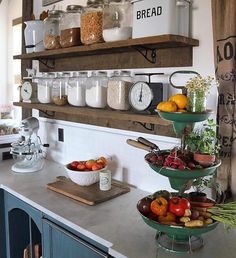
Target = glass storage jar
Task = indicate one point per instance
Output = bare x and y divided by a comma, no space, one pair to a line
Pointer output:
77,89
91,22
117,20
45,88
59,89
197,101
118,90
96,90
51,38
70,26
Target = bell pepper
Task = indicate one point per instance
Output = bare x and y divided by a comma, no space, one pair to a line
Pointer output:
169,217
178,205
159,206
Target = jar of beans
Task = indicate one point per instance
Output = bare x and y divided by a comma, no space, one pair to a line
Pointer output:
70,26
118,90
59,89
51,30
91,22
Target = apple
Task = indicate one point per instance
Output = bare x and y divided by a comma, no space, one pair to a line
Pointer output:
81,167
89,164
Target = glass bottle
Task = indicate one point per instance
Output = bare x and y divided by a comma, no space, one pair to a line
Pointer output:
96,90
59,89
117,20
91,22
118,90
196,101
70,26
51,30
77,89
45,88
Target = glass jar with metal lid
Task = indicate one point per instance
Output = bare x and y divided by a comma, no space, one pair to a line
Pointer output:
91,22
96,90
51,30
118,90
77,89
45,88
59,89
117,20
70,26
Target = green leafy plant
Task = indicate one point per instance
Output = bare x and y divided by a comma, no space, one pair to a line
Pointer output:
200,184
204,140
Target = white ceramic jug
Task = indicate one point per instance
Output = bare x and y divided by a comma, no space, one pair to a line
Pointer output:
34,36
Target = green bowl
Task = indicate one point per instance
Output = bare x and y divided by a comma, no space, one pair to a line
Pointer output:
182,119
179,178
179,233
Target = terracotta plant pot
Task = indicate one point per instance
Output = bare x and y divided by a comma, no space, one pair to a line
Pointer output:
204,160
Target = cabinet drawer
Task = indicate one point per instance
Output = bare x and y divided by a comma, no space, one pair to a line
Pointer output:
60,243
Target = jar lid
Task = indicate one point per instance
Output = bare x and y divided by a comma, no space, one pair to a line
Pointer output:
95,2
74,8
79,74
55,13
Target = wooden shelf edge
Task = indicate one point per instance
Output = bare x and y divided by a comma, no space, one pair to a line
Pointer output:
162,41
91,112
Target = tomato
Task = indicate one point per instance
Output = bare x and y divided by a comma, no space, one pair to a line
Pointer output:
81,167
178,205
102,160
97,166
74,164
89,164
168,217
144,205
159,206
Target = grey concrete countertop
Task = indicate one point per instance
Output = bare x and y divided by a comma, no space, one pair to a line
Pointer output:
116,223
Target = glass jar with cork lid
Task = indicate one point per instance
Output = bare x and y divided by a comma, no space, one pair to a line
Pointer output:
91,22
70,26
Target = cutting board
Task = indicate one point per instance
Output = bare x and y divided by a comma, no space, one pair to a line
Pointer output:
90,195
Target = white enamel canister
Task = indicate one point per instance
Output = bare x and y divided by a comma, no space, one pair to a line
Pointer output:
34,36
158,17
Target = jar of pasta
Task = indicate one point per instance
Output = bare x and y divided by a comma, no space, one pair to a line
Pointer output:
51,38
91,22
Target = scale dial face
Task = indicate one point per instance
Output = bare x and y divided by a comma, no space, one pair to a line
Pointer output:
140,96
26,91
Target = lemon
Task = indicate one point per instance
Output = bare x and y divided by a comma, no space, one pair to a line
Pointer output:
180,100
167,106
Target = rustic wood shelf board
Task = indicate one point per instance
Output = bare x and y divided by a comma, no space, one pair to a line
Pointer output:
96,113
155,42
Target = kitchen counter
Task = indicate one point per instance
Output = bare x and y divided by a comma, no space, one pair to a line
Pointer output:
115,224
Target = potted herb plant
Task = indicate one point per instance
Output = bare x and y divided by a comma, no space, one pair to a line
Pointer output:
203,144
197,90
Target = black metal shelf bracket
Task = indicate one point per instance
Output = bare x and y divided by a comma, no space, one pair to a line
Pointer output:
49,114
147,126
150,54
49,63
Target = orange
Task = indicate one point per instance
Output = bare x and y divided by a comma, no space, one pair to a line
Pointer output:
180,100
182,110
167,106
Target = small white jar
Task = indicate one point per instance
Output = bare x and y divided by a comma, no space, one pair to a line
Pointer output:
45,88
77,89
96,90
105,180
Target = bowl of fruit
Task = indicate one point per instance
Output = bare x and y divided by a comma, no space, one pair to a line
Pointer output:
86,172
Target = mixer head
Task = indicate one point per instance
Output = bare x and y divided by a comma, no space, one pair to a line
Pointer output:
29,126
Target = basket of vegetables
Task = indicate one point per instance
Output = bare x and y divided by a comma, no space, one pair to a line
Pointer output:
180,219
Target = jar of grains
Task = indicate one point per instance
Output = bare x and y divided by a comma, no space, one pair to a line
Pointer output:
51,38
70,26
96,90
118,90
59,89
117,20
91,22
77,89
45,88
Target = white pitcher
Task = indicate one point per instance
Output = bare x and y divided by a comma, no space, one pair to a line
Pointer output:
34,36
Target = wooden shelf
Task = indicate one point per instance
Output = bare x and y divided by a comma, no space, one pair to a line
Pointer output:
155,42
151,124
148,52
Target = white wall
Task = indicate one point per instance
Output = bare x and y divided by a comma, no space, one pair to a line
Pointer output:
84,141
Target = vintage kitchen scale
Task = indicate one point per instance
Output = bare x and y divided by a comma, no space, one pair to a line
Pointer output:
176,238
144,96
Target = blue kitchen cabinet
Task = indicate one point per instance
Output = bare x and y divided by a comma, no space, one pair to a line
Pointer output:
61,243
26,226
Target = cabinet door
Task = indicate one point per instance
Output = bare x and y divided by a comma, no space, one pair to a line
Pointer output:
59,243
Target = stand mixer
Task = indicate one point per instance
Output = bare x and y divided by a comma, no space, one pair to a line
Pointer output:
28,148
